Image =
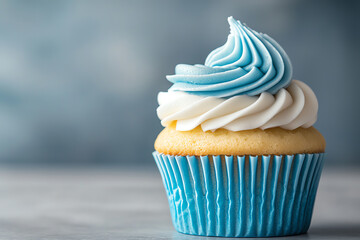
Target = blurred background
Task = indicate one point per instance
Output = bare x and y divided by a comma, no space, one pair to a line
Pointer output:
79,79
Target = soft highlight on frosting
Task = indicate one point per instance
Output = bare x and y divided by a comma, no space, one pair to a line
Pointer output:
248,64
290,108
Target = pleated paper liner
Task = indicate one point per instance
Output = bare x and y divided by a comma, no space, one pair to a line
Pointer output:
241,196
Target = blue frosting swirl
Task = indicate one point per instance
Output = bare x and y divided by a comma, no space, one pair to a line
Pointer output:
248,63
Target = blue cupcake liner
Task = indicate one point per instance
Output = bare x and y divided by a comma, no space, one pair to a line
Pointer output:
241,196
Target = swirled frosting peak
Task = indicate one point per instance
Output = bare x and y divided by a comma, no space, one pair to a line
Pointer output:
248,64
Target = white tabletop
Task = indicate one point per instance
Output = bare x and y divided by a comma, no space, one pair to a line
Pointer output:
131,204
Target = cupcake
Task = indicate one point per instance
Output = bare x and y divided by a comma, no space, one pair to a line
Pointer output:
238,155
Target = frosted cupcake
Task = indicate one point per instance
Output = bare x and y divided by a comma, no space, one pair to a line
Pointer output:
239,156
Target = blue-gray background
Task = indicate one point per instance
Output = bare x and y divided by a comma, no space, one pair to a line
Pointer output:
79,79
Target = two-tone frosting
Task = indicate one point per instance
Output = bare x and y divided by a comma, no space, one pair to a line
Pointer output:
245,84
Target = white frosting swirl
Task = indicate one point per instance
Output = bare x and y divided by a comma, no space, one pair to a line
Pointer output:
290,108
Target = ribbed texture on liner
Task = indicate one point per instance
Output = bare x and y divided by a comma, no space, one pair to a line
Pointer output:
241,196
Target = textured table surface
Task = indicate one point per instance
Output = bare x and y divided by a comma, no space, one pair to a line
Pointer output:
131,204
